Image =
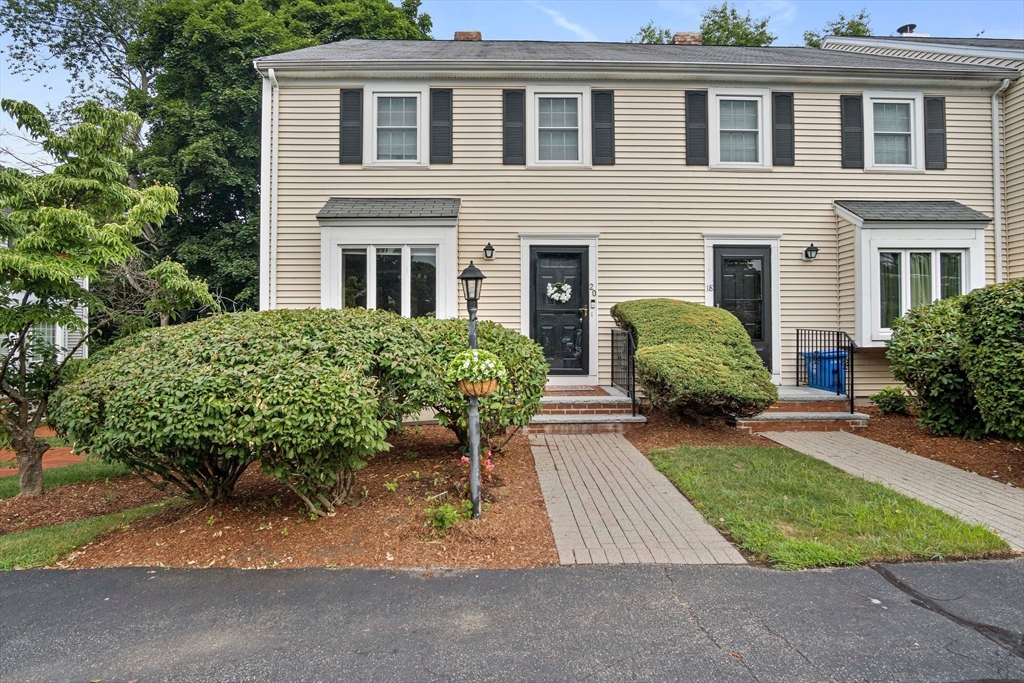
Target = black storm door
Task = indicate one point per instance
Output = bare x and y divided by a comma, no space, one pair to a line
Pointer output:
559,313
743,286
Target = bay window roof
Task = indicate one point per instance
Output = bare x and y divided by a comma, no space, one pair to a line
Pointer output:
912,211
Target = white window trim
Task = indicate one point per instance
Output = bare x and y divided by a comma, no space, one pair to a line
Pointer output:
711,240
763,97
405,234
422,94
533,95
527,240
870,240
916,101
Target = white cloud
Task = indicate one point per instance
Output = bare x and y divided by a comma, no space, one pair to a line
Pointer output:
561,20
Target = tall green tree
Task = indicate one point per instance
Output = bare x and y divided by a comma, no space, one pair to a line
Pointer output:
61,228
724,25
204,114
854,25
651,34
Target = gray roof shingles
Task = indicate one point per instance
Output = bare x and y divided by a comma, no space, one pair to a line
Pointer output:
539,52
913,211
350,207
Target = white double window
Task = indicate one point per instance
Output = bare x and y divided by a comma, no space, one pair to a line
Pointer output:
892,131
397,124
558,125
397,278
738,136
908,278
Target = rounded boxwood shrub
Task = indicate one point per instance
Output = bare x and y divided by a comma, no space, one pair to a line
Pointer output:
924,353
992,354
891,401
519,392
695,360
309,394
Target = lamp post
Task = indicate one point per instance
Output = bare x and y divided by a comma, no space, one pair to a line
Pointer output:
472,281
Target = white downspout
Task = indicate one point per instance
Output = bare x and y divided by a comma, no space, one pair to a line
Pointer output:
997,184
275,148
265,192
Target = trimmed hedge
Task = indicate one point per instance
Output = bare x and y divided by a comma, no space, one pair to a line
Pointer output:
518,396
993,355
695,360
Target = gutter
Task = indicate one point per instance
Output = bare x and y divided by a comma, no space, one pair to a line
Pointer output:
997,184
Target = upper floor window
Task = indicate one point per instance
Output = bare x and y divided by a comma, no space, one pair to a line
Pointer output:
738,136
893,139
397,128
558,125
396,123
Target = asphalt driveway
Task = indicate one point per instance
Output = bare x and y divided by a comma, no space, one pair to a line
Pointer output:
925,622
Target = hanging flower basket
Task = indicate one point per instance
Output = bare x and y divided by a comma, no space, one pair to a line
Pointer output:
476,372
478,389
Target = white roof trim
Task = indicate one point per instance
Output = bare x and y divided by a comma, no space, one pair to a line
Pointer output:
923,45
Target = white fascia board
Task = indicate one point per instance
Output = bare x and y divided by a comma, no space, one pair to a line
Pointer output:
925,46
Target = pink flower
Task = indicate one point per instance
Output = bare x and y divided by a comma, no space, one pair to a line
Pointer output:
465,460
489,454
488,464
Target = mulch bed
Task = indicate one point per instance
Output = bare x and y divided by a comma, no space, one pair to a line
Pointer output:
665,431
265,525
997,459
72,502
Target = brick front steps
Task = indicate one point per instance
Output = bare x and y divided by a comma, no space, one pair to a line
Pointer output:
584,412
802,409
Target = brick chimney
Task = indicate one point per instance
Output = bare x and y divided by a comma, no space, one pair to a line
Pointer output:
686,38
468,35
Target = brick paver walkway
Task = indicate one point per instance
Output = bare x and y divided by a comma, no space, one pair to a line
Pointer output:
608,505
968,496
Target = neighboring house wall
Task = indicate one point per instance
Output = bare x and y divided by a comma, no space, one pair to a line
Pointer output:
1012,138
651,211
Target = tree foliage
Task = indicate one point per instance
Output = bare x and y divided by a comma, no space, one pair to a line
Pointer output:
205,114
651,34
855,25
723,25
62,228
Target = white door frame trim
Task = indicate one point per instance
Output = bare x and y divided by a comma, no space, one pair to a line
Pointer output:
737,240
526,241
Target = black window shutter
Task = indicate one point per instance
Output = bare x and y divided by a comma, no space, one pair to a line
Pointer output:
440,126
935,132
696,128
514,125
852,115
351,134
604,127
783,141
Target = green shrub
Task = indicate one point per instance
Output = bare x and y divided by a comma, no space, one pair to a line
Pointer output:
892,401
924,353
518,396
992,354
695,360
309,394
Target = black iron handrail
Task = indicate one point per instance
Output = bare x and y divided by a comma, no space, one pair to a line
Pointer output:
624,363
824,360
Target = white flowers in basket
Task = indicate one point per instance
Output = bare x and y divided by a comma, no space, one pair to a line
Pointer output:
559,291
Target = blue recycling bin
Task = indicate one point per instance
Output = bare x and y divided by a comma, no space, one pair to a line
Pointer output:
826,369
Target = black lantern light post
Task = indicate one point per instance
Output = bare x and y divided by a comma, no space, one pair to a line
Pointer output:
472,281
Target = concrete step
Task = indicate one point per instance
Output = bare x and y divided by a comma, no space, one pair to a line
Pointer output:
582,424
803,422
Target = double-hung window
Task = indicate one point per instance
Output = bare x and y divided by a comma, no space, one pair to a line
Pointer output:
397,125
893,123
908,278
739,137
400,278
558,125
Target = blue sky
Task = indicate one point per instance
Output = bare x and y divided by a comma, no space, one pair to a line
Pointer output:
614,20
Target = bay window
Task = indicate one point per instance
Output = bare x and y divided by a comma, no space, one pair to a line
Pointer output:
397,278
908,278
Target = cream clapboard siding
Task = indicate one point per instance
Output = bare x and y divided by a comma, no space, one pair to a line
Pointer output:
1012,137
650,209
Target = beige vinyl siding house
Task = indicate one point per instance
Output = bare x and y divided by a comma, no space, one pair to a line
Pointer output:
648,225
988,52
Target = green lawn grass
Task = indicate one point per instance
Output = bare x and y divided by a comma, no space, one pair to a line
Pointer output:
69,474
45,545
795,512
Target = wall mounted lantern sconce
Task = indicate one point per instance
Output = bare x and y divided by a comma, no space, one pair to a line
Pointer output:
488,252
810,253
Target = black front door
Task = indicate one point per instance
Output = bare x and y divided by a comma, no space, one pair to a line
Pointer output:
559,307
743,287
